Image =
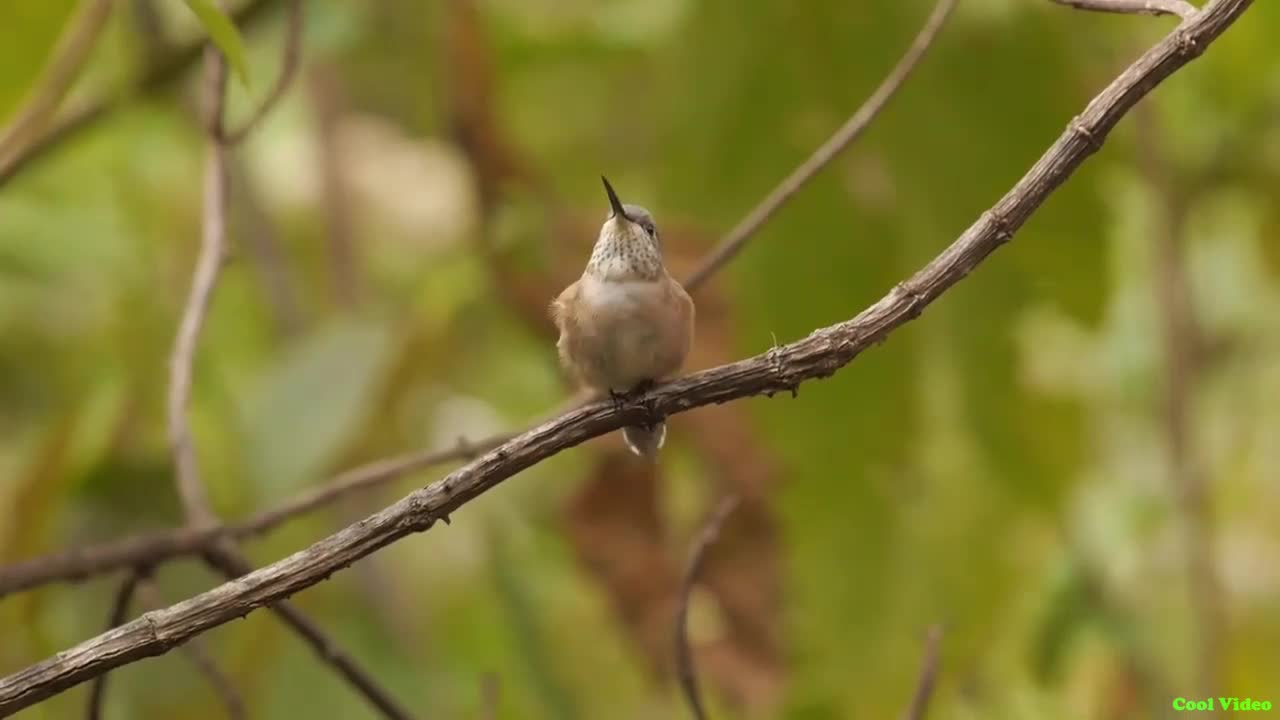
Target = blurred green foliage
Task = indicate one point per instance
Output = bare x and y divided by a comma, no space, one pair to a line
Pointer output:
999,464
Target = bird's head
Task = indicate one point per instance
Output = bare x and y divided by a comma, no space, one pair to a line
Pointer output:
628,246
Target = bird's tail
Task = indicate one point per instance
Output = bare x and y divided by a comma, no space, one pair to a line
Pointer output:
645,440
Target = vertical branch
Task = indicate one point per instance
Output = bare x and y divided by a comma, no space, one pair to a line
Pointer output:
213,231
685,670
119,609
228,561
1183,343
919,707
195,652
222,554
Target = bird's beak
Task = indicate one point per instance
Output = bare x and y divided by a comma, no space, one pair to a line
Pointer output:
614,202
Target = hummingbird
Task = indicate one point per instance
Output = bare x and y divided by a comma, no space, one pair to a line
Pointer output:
626,323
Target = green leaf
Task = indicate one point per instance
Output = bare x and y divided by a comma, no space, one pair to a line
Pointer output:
224,34
302,413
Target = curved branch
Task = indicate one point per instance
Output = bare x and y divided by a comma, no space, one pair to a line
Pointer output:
159,77
1181,8
195,651
222,555
853,127
69,57
288,70
119,609
213,248
157,547
819,355
685,670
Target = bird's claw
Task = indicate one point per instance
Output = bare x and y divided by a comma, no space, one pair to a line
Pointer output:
619,398
622,398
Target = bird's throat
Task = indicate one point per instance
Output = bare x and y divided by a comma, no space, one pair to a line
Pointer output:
622,258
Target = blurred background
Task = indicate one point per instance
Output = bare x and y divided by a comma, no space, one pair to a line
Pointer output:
1070,460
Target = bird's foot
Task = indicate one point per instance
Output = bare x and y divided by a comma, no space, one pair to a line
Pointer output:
619,398
622,398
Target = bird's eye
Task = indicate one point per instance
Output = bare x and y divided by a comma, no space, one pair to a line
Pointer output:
649,228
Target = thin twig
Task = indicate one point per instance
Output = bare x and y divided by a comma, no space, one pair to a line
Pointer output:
72,51
199,657
288,70
1180,8
233,566
213,248
158,77
919,707
852,128
119,609
164,545
217,679
158,547
685,670
1083,136
222,554
780,369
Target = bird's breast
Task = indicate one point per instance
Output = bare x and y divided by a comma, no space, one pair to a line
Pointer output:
615,296
625,329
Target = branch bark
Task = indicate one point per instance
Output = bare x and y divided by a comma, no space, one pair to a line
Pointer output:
155,548
119,609
213,248
1180,8
196,653
158,547
222,555
819,355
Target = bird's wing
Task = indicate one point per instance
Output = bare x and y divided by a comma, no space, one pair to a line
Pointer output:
560,306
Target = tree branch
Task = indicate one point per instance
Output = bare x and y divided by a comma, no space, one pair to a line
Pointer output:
1181,8
137,581
159,77
232,565
213,248
919,707
852,128
685,670
154,548
218,680
783,368
69,56
119,609
158,547
222,554
288,70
